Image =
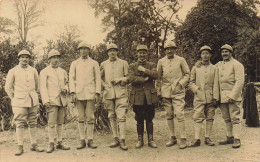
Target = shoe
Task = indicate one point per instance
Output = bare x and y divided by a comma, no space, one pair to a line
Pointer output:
35,147
183,144
115,143
91,144
236,143
151,142
19,150
82,144
50,149
123,145
62,146
229,140
140,142
209,142
196,143
172,141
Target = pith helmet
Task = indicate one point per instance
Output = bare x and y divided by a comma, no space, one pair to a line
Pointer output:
84,44
111,46
170,44
141,47
24,52
52,53
205,48
228,47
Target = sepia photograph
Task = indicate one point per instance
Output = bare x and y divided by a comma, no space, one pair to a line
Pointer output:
130,80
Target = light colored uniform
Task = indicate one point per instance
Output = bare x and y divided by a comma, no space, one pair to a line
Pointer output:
171,72
231,81
116,98
21,86
52,81
85,81
202,81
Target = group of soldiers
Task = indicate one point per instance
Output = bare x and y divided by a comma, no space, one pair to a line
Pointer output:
214,86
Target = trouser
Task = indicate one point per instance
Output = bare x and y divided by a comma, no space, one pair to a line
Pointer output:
201,112
25,116
86,108
144,112
175,106
231,115
117,109
55,117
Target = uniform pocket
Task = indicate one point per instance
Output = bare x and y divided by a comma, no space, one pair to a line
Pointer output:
154,96
132,96
20,95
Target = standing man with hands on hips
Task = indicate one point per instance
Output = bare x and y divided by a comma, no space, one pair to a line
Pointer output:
85,87
22,85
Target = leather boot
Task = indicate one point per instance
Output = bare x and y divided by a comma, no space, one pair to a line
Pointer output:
115,143
19,150
183,144
140,142
209,142
236,143
196,143
35,147
229,140
91,144
50,149
140,132
172,141
82,144
62,146
149,128
123,145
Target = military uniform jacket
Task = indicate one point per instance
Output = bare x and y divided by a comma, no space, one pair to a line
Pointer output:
52,81
204,83
231,80
141,89
22,85
85,78
112,70
170,73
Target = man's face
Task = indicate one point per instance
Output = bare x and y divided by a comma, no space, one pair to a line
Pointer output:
226,54
54,61
141,55
112,53
84,51
170,52
205,55
24,59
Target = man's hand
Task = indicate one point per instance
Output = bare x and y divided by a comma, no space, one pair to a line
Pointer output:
115,81
178,87
141,68
74,97
63,92
230,100
96,98
146,78
198,64
47,105
215,103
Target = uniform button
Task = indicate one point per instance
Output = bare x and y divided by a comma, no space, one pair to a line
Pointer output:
221,75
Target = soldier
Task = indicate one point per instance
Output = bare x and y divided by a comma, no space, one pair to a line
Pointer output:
85,87
173,76
22,86
142,75
114,73
202,83
53,88
231,81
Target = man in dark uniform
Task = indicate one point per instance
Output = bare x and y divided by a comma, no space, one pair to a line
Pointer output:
143,95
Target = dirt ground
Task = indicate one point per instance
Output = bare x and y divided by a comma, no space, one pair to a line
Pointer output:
249,151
